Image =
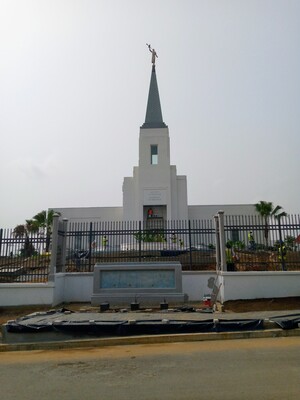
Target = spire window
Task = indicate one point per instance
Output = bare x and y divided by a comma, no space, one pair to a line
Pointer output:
154,154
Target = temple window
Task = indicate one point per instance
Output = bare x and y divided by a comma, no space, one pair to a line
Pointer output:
154,154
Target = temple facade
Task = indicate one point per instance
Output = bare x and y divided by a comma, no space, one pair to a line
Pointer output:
155,193
155,190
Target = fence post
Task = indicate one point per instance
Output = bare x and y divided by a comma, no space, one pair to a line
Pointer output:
222,241
64,246
282,256
218,254
90,245
190,244
54,248
1,234
140,241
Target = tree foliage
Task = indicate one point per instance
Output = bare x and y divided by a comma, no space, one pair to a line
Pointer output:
267,210
40,224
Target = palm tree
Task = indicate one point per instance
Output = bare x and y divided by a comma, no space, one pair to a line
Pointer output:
278,212
25,230
267,210
43,222
264,208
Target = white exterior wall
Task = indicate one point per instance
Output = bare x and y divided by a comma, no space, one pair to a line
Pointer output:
160,178
179,198
160,137
259,285
129,199
23,294
208,211
182,197
58,293
174,193
154,177
91,214
78,287
195,284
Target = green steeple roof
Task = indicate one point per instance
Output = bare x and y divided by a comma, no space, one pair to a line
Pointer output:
154,117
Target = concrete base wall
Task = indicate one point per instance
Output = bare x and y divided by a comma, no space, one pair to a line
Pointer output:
23,294
196,284
78,287
259,285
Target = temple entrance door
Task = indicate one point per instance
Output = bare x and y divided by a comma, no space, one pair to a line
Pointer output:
155,216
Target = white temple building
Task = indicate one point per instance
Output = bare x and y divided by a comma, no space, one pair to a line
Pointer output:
155,185
155,188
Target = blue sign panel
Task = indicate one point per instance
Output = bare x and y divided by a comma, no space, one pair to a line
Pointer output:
137,279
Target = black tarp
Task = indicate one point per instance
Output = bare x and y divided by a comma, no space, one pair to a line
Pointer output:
19,327
285,322
128,328
119,328
233,325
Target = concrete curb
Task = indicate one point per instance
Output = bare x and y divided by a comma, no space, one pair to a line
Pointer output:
154,339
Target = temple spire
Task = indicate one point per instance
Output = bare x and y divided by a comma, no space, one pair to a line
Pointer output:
154,117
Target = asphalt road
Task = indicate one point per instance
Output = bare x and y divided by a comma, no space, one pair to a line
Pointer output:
236,369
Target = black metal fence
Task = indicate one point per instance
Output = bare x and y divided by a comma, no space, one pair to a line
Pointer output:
23,259
259,243
192,243
189,242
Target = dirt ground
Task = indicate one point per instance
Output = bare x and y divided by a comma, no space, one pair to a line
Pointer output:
278,304
236,306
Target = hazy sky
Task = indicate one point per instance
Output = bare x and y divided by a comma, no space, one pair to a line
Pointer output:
74,80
